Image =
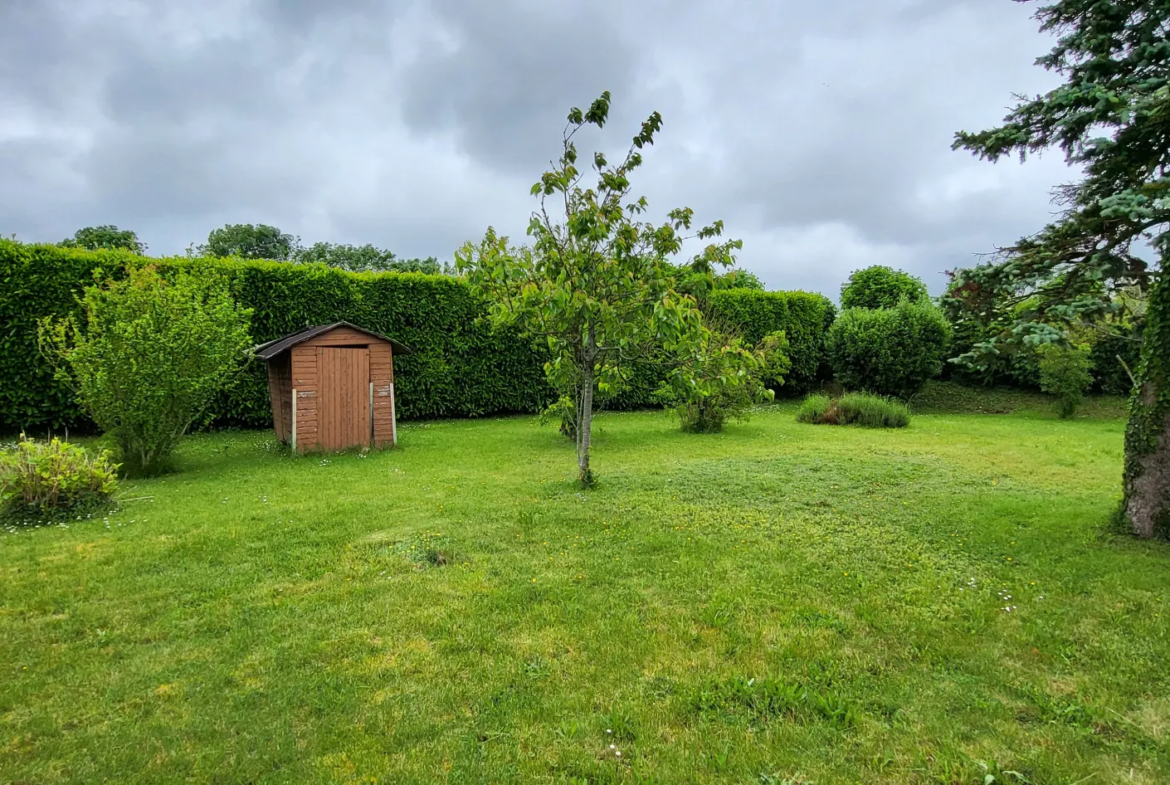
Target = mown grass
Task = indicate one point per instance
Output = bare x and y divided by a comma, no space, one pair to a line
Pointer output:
778,602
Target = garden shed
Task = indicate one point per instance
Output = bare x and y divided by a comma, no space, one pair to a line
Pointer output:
332,387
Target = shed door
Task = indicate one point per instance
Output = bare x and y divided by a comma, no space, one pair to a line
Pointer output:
343,383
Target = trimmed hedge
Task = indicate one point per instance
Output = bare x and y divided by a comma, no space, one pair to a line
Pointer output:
460,367
804,317
888,351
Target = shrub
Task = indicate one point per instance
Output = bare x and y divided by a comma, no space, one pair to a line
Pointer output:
48,480
890,351
1064,372
150,358
881,287
725,381
864,409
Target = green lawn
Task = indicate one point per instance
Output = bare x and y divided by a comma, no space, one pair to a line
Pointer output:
778,603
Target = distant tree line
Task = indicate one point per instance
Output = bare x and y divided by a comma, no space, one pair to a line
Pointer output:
260,241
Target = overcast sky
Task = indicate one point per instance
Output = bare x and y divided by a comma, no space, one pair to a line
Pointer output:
819,132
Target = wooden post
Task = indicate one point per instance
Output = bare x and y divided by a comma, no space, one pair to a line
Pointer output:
393,418
371,441
293,438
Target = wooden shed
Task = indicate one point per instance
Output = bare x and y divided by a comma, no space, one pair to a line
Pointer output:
332,387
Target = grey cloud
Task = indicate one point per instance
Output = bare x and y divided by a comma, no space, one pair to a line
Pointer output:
820,132
511,70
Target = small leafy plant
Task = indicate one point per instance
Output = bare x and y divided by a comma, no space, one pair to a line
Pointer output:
1064,372
864,409
564,414
54,479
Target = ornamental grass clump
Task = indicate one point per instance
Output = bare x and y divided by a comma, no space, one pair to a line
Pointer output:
864,409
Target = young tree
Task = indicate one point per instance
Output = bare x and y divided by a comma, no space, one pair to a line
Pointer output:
250,241
93,238
596,283
149,357
1110,117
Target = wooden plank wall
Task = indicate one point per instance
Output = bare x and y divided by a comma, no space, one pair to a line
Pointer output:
304,381
280,388
382,376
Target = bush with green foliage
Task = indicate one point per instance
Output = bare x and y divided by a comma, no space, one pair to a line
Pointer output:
1064,372
881,287
889,351
725,380
803,317
53,479
150,357
863,409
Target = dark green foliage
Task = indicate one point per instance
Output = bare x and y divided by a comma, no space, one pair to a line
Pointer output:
1113,358
38,281
804,318
45,481
249,241
1064,372
109,237
864,409
939,397
881,287
739,279
890,351
1147,434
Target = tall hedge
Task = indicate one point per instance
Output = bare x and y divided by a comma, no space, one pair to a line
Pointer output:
805,318
460,366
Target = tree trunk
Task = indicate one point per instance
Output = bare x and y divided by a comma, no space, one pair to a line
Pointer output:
1147,434
585,425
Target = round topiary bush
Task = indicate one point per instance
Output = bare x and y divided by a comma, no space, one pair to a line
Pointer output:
881,287
889,351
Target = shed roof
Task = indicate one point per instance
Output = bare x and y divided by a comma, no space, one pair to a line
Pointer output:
271,349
